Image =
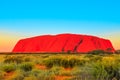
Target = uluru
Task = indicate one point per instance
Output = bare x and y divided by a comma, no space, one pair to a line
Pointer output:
63,43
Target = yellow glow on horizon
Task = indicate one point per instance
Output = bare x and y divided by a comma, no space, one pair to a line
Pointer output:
7,42
115,39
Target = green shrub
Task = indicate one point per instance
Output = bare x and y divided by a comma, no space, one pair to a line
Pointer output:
98,71
97,52
26,66
107,71
89,56
48,63
65,63
81,62
113,71
54,61
9,67
72,62
13,59
96,58
56,70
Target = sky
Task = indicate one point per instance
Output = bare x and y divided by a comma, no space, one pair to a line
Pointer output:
27,18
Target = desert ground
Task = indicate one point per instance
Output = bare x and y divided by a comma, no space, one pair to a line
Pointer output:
62,66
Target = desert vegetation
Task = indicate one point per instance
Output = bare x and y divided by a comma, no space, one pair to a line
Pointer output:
96,65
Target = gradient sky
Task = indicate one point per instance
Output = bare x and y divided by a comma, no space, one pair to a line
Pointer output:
27,18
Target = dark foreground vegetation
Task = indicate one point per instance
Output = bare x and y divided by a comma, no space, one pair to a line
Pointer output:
97,65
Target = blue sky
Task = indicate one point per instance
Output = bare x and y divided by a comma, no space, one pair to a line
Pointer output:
100,10
64,16
26,18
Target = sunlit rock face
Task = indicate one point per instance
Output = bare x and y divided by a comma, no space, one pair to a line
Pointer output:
63,43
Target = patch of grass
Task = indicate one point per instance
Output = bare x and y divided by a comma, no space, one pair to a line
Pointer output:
26,66
13,59
79,66
56,70
65,63
8,67
48,63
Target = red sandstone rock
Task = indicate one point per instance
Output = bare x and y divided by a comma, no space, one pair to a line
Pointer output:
63,43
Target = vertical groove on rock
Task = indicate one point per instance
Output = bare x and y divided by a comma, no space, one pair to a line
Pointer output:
75,48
